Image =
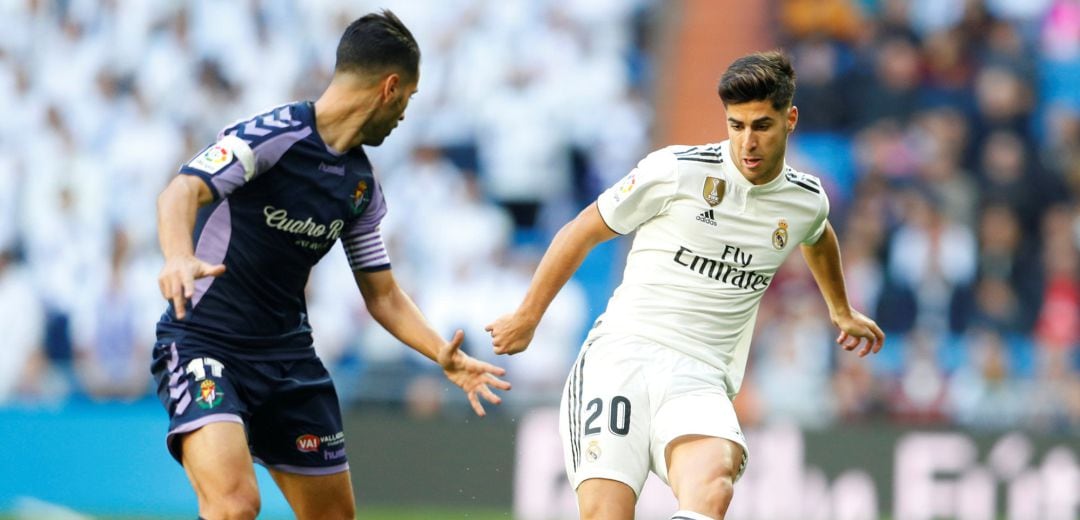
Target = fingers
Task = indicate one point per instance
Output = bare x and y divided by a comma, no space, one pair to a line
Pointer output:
489,396
849,342
879,337
214,270
491,369
447,355
176,293
179,306
454,345
498,383
871,340
189,287
510,348
476,406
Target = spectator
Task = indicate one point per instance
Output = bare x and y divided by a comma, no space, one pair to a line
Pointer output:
23,363
110,355
933,257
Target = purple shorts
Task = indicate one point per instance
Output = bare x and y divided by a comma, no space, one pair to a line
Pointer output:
289,408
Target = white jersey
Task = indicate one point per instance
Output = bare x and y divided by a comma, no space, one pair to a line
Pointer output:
708,244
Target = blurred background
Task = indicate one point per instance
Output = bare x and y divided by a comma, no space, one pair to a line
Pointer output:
947,134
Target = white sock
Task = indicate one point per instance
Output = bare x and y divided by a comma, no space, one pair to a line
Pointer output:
683,514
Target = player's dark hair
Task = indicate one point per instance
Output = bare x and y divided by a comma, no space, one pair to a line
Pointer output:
378,42
757,77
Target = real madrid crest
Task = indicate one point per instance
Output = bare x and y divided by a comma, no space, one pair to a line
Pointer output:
713,191
780,235
593,451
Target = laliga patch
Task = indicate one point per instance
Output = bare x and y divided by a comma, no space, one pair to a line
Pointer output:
213,159
625,187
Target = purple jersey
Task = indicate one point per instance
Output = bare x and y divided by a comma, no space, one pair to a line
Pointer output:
282,198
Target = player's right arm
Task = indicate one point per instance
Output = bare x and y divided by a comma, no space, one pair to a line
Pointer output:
512,333
644,193
242,152
177,205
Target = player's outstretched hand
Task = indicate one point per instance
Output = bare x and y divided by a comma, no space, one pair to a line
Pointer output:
857,329
177,280
472,375
511,334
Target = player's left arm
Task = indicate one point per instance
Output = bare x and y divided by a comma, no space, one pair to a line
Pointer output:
397,313
823,257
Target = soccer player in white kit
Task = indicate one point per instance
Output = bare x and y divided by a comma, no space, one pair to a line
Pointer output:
652,386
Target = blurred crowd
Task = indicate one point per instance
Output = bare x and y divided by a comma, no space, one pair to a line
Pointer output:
525,109
947,133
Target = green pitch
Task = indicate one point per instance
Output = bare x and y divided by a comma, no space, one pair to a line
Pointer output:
399,513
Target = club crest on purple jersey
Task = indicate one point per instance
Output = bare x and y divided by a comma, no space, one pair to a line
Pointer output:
361,197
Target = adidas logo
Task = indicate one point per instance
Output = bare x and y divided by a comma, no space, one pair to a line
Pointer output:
707,217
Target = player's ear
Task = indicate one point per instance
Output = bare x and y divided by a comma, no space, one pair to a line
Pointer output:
792,118
390,85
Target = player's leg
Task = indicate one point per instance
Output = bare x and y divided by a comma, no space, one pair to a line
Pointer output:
317,497
604,499
298,435
220,469
605,418
702,472
199,388
699,449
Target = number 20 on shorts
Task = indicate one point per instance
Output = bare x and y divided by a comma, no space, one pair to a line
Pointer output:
618,415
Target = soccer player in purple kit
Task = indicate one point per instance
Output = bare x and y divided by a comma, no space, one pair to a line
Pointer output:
240,229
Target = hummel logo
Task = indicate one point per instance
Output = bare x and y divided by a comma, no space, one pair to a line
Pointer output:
707,217
336,170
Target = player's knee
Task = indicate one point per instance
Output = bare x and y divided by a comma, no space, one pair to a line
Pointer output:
334,512
710,492
602,510
600,499
342,511
240,504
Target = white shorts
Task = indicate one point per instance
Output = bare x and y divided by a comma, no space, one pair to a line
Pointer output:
626,398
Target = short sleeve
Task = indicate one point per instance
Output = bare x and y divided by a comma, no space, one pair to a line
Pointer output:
224,165
818,226
644,193
363,239
246,149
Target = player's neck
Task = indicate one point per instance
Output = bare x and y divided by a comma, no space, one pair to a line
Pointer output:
340,114
765,179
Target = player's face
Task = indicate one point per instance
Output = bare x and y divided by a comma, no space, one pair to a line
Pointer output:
386,117
758,134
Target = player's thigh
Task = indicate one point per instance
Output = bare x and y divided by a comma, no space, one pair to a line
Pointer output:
605,417
604,499
698,463
198,386
318,496
218,463
700,427
298,429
